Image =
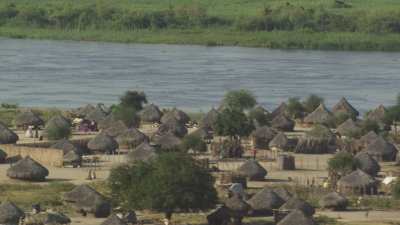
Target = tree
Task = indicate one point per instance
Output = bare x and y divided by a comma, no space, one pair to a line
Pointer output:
58,132
369,125
259,116
396,190
171,182
312,102
233,123
239,100
294,108
128,115
342,163
133,99
194,142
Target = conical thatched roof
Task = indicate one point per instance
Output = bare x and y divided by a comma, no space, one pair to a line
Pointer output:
316,141
282,123
179,115
96,115
103,143
10,213
47,218
115,129
367,164
131,138
167,141
67,146
86,198
297,217
280,141
58,121
252,170
298,204
173,126
262,136
321,115
3,156
107,122
143,152
7,136
28,118
377,114
380,149
283,193
280,110
83,111
265,201
209,119
113,220
237,206
343,106
28,169
349,127
72,157
357,179
151,114
203,132
335,201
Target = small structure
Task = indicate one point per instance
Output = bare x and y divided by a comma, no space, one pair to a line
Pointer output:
177,114
344,107
368,139
83,111
67,146
113,220
319,140
96,115
150,114
10,214
367,163
7,136
252,170
103,143
237,209
320,115
262,136
173,126
219,216
377,114
229,178
264,202
72,158
298,204
143,152
334,201
115,129
348,128
297,217
286,162
283,193
167,141
131,138
28,169
280,110
283,123
382,150
358,182
280,142
28,118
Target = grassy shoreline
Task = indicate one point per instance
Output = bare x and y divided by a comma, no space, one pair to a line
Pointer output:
353,41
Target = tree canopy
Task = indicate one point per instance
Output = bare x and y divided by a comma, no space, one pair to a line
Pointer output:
294,108
342,163
239,100
194,142
233,123
133,99
130,104
312,102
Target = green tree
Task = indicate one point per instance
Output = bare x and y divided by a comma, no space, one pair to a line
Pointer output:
294,108
239,100
259,116
342,163
233,123
133,99
128,115
312,102
58,132
396,190
172,182
369,125
194,142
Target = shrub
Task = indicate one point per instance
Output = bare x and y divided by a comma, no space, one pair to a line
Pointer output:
194,142
58,132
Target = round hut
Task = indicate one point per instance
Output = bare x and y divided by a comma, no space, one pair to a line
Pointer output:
143,152
319,140
173,126
96,115
283,123
131,138
297,217
280,142
298,204
382,150
150,114
377,114
10,214
115,129
85,198
57,121
167,141
103,143
179,115
286,162
28,169
320,115
7,136
344,107
237,208
72,158
280,110
28,118
3,156
367,164
107,122
368,139
67,146
264,202
357,182
283,193
334,201
209,119
348,128
262,136
113,220
252,170
83,111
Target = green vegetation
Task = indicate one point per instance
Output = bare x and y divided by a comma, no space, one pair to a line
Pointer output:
342,163
312,102
194,142
358,25
130,104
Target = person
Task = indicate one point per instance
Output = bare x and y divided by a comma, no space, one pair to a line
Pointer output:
254,154
29,133
90,175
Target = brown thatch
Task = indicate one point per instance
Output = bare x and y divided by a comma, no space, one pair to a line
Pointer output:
3,156
265,201
262,136
172,126
298,204
283,123
377,114
382,150
252,170
10,214
316,141
83,111
96,115
58,121
368,138
219,216
357,182
47,218
343,106
259,110
335,201
7,136
28,118
179,115
103,143
167,141
280,141
86,198
237,206
367,164
150,114
348,128
67,146
209,119
143,152
72,158
280,110
203,132
113,220
283,193
107,122
286,162
28,169
131,138
297,217
321,115
116,129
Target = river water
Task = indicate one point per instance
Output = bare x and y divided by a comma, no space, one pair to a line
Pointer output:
69,74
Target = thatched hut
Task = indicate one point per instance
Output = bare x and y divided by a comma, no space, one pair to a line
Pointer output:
382,150
116,129
219,216
107,122
96,115
283,123
280,110
10,214
264,202
167,141
298,204
344,107
131,138
150,114
177,114
368,139
113,220
103,143
89,200
172,126
286,162
283,193
280,141
367,163
377,114
335,201
143,152
28,118
3,156
348,128
210,119
47,218
262,136
85,110
357,182
58,121
297,217
7,136
226,149
252,170
67,146
319,140
72,158
320,115
28,169
237,208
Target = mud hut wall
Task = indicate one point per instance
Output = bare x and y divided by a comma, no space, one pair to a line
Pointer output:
45,156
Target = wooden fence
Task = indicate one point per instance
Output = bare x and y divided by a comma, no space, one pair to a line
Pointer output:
45,156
